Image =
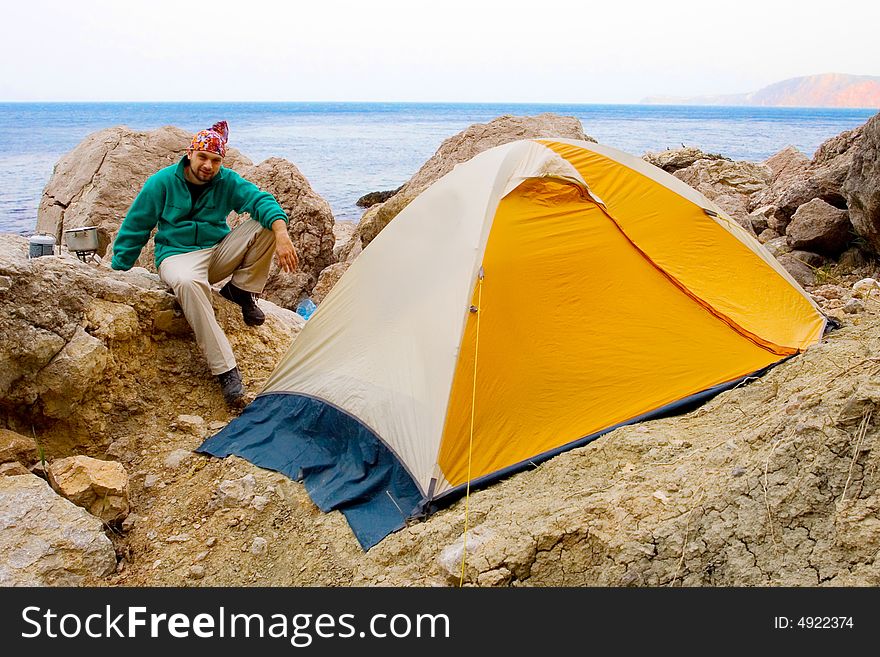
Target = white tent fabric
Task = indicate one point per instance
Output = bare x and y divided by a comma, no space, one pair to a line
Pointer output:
406,407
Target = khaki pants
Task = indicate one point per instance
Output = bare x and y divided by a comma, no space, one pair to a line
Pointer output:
246,253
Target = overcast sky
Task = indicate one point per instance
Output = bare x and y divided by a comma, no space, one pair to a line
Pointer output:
405,50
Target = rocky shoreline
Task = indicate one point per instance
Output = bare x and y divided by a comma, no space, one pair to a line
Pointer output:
104,395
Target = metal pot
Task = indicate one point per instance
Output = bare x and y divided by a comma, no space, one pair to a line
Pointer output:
82,239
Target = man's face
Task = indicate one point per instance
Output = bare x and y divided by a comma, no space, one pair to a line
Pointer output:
203,165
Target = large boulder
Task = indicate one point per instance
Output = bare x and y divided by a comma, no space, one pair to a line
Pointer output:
46,540
95,183
72,373
788,168
798,267
673,159
310,228
372,198
99,487
820,227
729,184
455,150
329,277
862,185
823,178
17,448
88,355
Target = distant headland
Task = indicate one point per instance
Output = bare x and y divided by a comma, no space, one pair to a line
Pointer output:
824,90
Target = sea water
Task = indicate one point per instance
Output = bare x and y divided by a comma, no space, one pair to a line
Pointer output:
346,150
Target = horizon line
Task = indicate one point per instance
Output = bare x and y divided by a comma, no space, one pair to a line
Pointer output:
419,102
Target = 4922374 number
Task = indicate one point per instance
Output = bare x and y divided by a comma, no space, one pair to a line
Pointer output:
814,622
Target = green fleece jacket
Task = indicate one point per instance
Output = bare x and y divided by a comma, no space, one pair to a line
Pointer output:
183,227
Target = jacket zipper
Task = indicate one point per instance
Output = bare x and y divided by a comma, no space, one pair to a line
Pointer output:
192,212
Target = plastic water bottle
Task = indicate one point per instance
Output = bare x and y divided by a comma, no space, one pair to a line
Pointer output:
305,308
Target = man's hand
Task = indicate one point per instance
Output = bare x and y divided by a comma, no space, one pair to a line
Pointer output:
284,249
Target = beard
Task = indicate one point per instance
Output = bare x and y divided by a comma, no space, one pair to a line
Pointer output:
200,174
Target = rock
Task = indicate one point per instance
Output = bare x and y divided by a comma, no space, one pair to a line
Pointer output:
192,424
673,159
72,374
788,167
100,487
327,280
372,198
461,148
82,361
853,306
46,540
259,502
777,246
862,185
760,217
729,184
177,538
310,229
110,321
828,292
259,545
95,183
12,468
129,522
818,226
284,315
858,524
823,178
450,557
866,397
196,572
802,273
343,231
177,457
866,288
768,236
16,447
233,493
661,496
497,577
838,145
151,481
810,258
853,258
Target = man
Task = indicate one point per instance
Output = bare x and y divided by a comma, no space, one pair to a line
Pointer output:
195,247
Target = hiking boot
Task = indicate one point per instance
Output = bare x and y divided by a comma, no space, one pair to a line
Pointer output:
233,390
250,311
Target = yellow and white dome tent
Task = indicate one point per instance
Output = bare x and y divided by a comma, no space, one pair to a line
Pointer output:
534,298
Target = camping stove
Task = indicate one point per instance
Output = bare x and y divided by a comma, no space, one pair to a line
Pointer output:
84,242
86,256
